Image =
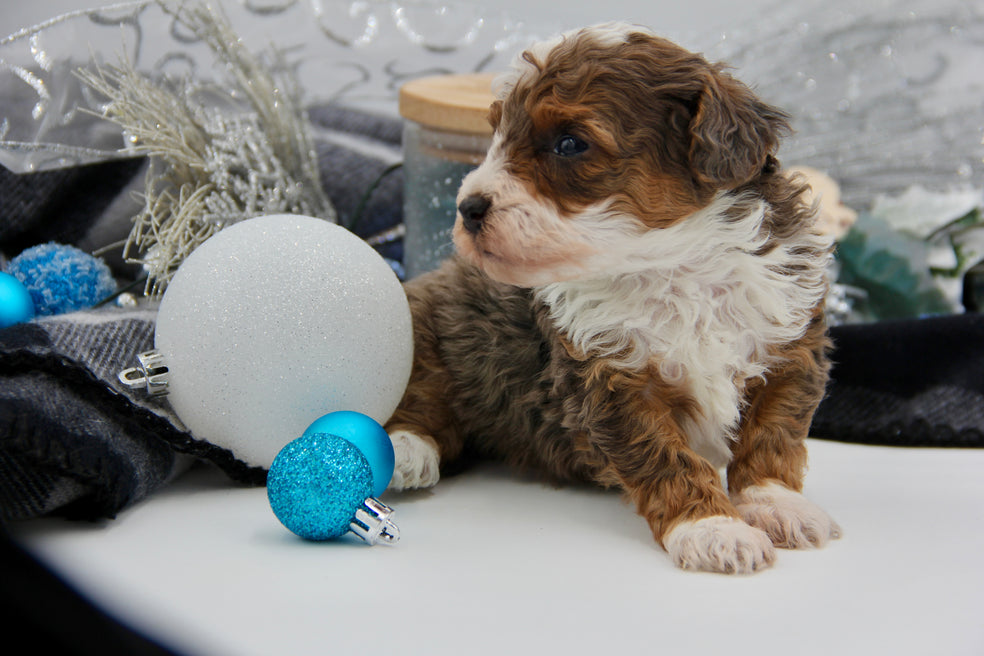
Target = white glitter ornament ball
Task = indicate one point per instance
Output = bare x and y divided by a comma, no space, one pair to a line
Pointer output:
276,321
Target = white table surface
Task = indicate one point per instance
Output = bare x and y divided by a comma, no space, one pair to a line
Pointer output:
493,564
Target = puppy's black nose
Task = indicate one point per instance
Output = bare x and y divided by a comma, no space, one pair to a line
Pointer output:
473,210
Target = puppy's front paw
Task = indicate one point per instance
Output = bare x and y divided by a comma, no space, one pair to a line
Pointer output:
417,461
792,521
720,544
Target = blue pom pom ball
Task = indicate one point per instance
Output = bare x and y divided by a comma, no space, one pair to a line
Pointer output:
316,484
62,278
16,305
368,436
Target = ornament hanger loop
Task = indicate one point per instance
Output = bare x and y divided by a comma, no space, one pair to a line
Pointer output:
152,374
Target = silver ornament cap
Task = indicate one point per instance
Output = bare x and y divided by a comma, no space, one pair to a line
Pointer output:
151,374
373,523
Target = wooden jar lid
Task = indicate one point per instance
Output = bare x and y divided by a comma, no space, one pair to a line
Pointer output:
459,103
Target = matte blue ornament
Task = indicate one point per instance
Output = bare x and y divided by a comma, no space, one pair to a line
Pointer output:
16,305
62,278
319,487
368,436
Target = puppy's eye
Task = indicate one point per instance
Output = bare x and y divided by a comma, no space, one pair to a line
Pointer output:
568,146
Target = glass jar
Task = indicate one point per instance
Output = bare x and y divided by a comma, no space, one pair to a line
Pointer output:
446,134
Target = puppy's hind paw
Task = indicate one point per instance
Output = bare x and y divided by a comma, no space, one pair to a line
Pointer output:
720,544
790,519
417,461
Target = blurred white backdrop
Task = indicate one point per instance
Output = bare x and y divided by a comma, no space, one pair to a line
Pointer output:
674,19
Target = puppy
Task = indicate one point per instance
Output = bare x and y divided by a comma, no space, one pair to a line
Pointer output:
636,301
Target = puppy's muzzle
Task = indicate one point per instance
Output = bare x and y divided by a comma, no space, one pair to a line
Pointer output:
473,210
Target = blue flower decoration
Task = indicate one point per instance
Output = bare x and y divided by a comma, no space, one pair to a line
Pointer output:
62,278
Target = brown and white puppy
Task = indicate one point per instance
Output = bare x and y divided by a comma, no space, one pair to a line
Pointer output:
636,301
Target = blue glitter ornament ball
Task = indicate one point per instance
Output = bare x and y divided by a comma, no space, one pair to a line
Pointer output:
316,483
16,305
62,278
368,436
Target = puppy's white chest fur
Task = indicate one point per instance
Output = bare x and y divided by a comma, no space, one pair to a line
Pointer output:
703,302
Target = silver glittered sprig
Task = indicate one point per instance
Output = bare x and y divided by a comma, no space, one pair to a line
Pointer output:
210,166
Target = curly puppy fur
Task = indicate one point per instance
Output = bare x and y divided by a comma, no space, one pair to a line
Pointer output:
636,301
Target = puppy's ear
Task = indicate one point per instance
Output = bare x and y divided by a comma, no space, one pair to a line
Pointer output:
732,132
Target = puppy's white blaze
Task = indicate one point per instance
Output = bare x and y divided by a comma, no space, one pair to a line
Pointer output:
789,518
696,297
719,544
613,33
485,178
